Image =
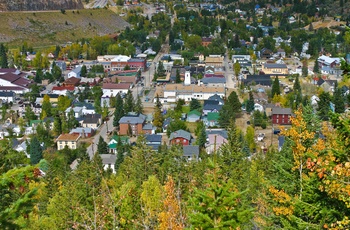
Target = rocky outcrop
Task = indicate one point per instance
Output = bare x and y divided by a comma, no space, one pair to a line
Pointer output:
39,5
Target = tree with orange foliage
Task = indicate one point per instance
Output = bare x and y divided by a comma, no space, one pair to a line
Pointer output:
171,218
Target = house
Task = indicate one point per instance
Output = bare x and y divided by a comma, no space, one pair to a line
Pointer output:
113,143
328,61
206,41
118,62
7,97
92,121
243,60
191,152
13,80
266,53
112,89
131,123
214,81
258,107
77,111
75,72
212,119
153,141
211,107
83,132
148,128
214,60
215,139
62,90
193,116
281,53
69,140
180,137
108,161
261,79
61,64
327,85
274,68
166,123
281,116
217,98
72,81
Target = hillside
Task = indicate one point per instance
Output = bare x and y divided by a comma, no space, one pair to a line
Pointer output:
50,28
30,5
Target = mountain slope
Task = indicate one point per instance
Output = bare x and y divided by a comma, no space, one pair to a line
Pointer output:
39,5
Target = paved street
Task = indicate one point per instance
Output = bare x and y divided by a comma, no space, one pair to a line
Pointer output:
230,83
102,132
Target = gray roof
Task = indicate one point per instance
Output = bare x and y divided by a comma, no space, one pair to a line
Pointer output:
153,138
92,118
77,69
208,80
216,97
108,159
133,119
191,150
221,132
278,110
275,65
148,126
7,94
212,107
180,133
81,130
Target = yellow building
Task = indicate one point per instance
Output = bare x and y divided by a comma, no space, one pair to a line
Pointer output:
274,68
69,140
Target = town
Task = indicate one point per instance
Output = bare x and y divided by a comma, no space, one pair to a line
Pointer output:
239,96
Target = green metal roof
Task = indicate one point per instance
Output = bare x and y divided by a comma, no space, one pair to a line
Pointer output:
213,116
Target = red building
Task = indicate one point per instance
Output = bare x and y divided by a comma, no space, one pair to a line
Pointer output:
137,63
281,116
206,41
180,137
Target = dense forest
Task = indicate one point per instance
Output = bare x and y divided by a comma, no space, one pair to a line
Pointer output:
305,185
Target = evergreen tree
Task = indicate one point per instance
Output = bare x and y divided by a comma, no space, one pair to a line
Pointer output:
102,146
46,107
276,90
201,135
160,69
119,110
237,69
229,110
338,101
158,117
35,151
120,154
138,105
129,102
194,104
178,79
324,105
316,66
250,103
83,71
298,97
3,56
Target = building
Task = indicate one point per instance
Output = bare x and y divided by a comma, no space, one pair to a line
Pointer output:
213,81
153,141
193,116
108,161
7,97
62,90
215,139
113,143
13,80
243,60
214,60
274,68
328,61
118,62
206,41
191,152
75,72
258,80
137,64
112,89
132,123
69,140
92,121
72,81
180,137
83,132
281,116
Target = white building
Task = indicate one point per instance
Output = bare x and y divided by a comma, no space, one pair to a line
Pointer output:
75,72
112,89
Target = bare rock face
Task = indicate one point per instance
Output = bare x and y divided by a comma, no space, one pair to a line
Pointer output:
39,5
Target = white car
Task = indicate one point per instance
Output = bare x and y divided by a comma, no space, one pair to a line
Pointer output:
261,136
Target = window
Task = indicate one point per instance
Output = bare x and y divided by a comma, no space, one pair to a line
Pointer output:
177,140
61,147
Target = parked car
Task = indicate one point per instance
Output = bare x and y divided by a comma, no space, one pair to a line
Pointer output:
276,131
261,136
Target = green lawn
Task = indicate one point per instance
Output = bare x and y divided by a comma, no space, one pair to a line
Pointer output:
185,109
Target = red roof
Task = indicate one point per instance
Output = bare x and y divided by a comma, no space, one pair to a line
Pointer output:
72,81
70,88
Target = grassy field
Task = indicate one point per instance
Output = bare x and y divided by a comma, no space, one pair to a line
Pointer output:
42,29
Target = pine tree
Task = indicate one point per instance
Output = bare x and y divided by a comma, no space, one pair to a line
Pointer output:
324,105
275,87
158,117
316,66
229,110
194,104
138,105
119,110
250,102
102,146
129,102
35,151
46,107
338,101
3,56
201,135
178,79
83,71
297,92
